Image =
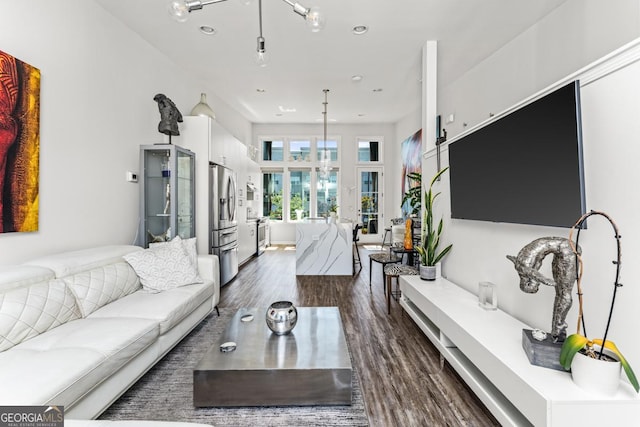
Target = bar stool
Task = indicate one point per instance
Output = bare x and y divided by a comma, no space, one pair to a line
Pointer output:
355,250
387,232
397,270
383,258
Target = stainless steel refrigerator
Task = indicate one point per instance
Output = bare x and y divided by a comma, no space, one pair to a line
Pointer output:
222,219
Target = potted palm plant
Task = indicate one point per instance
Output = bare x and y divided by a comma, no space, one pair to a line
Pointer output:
595,363
429,252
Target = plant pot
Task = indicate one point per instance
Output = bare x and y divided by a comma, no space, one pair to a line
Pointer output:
599,376
428,272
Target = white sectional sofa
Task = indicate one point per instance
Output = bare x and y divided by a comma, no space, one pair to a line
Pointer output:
78,329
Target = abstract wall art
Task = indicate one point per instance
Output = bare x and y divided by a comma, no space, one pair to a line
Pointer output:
411,154
19,144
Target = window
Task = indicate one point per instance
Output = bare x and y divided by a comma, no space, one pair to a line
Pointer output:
300,194
326,194
294,185
369,150
331,146
273,151
272,184
299,150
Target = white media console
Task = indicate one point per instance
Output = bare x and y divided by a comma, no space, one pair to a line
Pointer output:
485,348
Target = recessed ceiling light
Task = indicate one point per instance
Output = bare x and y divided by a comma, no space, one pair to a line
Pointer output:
377,90
360,29
205,29
356,78
286,109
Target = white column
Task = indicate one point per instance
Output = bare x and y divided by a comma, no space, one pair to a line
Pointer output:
429,96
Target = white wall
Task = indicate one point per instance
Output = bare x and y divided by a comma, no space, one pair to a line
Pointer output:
572,36
97,88
565,41
284,233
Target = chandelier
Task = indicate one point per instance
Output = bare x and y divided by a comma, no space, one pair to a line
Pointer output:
180,10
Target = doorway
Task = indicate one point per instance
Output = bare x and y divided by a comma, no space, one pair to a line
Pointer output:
370,201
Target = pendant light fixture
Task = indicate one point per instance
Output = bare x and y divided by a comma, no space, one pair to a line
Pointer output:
180,10
325,157
262,59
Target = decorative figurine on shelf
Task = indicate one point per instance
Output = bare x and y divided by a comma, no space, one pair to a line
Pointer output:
153,238
169,116
563,267
543,350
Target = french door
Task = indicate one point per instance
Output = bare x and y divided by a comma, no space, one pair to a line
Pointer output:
369,203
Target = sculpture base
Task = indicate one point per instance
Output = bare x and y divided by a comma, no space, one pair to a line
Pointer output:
542,353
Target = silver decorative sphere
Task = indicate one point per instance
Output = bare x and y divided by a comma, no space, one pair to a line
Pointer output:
282,317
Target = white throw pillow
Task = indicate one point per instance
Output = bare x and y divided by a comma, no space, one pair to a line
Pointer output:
31,310
164,266
189,246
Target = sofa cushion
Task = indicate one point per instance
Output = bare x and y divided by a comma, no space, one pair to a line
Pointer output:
164,266
15,276
28,311
69,263
102,285
67,362
167,308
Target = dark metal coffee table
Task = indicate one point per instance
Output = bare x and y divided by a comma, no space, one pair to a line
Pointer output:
309,366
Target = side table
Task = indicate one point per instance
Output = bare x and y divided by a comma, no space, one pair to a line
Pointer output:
401,251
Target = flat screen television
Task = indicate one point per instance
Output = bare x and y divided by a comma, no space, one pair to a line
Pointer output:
525,167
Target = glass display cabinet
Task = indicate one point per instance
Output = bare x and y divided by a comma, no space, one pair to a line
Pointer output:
167,196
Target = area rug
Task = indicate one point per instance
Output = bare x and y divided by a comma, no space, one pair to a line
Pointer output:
166,392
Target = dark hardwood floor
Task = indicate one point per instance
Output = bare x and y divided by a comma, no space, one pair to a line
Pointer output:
404,382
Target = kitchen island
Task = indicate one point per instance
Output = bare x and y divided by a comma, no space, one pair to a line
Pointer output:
324,249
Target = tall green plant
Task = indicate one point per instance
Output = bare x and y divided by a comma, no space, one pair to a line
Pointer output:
430,240
412,195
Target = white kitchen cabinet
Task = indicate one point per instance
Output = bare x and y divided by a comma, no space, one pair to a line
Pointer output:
247,241
211,142
198,135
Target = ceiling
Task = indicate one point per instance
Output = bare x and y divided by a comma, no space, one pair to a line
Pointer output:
302,63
